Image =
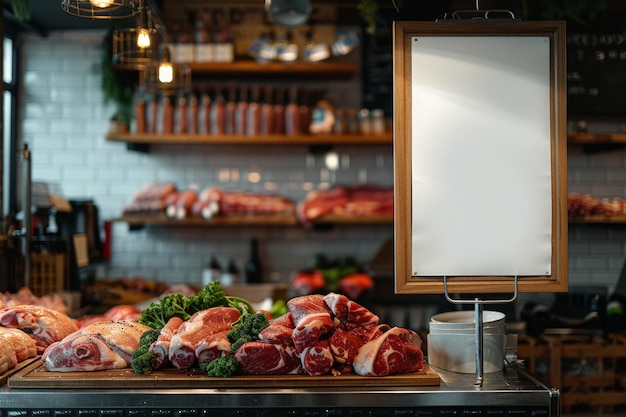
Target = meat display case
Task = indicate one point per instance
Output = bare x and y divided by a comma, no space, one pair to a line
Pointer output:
511,392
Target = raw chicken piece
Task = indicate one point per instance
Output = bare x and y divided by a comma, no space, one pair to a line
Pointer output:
397,351
199,327
99,346
160,348
44,325
23,345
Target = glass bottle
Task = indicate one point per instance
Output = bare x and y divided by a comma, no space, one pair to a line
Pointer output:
253,268
212,271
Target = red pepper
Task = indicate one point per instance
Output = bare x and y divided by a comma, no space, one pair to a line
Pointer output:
354,285
308,282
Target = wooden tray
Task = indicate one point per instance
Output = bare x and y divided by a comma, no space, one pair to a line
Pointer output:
21,365
36,376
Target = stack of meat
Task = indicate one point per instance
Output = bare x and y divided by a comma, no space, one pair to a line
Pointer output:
27,330
579,205
320,335
331,334
25,296
358,200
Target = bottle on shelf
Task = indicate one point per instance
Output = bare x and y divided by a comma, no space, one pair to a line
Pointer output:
266,123
224,45
253,117
185,45
241,112
204,48
192,114
140,114
212,271
278,111
218,123
231,275
229,111
253,268
292,114
180,114
204,114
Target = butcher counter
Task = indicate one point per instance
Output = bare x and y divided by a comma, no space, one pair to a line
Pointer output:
510,392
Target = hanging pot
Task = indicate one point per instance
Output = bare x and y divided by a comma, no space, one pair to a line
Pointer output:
288,13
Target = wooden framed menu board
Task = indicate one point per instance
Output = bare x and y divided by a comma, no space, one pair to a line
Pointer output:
480,156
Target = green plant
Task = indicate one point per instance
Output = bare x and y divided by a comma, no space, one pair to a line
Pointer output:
20,9
118,86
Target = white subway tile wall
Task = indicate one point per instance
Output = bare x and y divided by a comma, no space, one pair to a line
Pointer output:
64,122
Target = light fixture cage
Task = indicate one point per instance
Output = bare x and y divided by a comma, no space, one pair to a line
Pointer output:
125,45
181,77
107,10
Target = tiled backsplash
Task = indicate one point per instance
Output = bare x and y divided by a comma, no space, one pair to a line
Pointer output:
65,121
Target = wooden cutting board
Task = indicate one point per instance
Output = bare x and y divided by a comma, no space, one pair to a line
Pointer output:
36,376
4,377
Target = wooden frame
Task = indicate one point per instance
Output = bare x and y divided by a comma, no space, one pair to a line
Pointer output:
407,281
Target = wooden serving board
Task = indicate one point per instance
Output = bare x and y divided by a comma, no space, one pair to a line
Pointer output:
4,377
36,376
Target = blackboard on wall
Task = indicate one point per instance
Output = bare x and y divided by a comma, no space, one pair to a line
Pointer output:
596,68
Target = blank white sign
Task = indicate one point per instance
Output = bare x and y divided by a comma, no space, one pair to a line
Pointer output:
481,163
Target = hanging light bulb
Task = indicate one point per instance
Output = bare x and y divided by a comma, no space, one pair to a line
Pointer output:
102,9
166,69
101,3
143,38
166,77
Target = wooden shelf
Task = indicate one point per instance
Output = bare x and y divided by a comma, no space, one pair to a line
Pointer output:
287,140
599,219
252,69
596,138
235,221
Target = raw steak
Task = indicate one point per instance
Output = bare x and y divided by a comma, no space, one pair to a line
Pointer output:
397,351
278,334
215,346
317,360
260,358
195,330
160,348
353,317
99,346
44,325
311,318
344,346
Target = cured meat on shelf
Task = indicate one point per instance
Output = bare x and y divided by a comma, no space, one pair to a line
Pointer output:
25,296
579,205
44,325
217,202
99,346
358,200
150,199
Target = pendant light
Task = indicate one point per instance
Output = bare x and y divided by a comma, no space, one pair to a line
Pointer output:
138,44
166,77
102,9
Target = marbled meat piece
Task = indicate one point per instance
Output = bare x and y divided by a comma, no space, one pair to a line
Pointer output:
277,334
215,346
196,329
99,346
311,319
160,348
261,358
44,325
344,346
318,359
397,351
353,316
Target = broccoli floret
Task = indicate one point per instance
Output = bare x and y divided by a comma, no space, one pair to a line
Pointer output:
212,295
224,366
142,360
156,315
149,336
246,329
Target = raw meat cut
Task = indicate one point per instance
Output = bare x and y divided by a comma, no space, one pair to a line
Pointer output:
44,325
353,317
8,358
397,351
311,318
284,320
344,346
23,345
160,348
195,330
99,346
260,358
213,347
278,334
318,359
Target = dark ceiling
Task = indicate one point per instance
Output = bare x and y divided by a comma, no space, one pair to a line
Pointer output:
47,15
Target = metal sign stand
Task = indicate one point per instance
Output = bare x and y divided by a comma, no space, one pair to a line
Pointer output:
478,323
